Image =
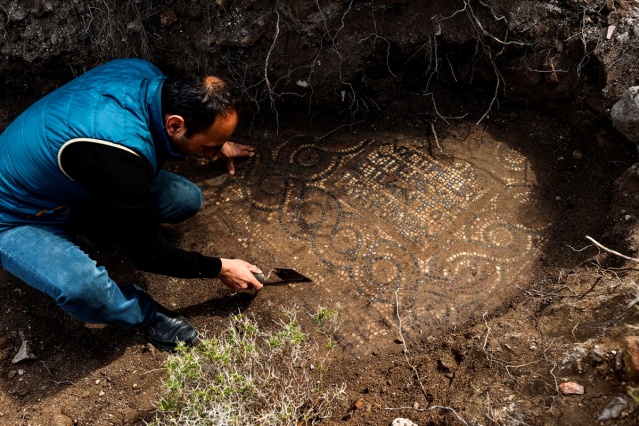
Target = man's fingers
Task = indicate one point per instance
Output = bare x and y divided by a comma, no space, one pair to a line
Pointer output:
257,285
247,150
249,285
238,275
232,149
230,166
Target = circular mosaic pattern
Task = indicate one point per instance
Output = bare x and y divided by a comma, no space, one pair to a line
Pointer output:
383,223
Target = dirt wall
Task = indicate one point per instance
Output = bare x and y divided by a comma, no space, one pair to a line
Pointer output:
352,59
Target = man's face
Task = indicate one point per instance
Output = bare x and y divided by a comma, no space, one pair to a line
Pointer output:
206,142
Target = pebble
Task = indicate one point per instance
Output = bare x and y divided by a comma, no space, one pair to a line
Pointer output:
597,354
575,358
625,114
25,352
448,363
614,409
402,422
60,420
619,362
631,355
571,388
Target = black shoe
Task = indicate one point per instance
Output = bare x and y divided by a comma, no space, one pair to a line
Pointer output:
166,330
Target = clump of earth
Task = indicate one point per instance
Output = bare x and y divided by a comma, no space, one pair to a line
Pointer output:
433,167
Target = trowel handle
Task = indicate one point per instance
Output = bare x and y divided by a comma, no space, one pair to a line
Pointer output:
260,277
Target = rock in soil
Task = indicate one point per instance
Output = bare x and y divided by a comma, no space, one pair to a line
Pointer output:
631,355
25,352
614,409
625,114
571,388
60,420
402,422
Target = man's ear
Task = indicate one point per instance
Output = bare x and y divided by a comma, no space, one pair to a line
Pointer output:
175,125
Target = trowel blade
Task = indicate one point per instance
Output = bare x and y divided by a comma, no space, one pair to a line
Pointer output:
284,274
290,275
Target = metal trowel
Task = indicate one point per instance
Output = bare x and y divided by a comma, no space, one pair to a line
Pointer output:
284,275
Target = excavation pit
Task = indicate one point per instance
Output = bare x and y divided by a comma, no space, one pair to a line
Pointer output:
387,225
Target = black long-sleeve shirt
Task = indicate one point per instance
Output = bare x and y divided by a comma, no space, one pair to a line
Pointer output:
120,183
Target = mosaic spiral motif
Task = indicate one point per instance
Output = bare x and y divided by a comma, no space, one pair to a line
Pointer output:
379,218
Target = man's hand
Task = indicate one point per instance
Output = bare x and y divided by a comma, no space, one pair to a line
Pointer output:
231,150
238,275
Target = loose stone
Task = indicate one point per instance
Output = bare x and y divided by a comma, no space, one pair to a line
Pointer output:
402,422
571,388
614,409
25,352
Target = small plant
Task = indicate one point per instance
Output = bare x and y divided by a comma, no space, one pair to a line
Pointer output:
325,316
327,321
247,376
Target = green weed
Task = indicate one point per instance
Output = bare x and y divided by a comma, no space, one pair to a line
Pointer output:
247,376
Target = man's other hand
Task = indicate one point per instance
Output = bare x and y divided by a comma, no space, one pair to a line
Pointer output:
238,275
231,150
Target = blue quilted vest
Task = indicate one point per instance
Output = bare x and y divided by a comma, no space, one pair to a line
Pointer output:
117,103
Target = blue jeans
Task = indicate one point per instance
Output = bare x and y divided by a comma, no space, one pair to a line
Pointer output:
47,258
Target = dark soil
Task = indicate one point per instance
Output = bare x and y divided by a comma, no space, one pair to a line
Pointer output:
524,316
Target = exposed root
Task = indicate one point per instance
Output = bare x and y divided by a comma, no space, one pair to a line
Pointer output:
269,89
621,56
635,300
482,33
415,372
584,36
378,37
431,408
401,336
111,34
438,114
499,79
432,128
494,360
616,253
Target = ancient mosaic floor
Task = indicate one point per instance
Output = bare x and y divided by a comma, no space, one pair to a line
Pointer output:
376,219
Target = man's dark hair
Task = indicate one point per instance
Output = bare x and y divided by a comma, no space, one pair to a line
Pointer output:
199,100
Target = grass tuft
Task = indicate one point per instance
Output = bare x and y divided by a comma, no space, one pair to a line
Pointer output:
247,376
